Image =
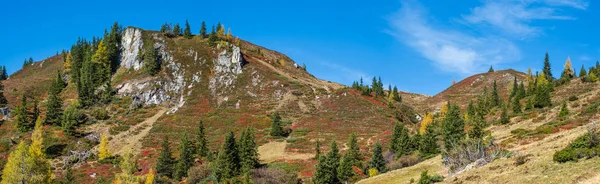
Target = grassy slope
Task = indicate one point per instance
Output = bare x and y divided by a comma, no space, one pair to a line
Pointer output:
539,147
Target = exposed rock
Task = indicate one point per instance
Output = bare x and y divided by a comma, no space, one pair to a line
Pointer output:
132,43
226,68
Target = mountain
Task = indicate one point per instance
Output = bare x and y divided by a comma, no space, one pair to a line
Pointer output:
229,86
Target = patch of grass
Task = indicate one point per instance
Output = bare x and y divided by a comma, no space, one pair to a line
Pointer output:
586,146
592,108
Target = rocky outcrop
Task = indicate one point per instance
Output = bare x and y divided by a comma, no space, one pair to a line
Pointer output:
132,43
226,67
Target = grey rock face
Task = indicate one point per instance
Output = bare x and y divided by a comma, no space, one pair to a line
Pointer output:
132,43
227,66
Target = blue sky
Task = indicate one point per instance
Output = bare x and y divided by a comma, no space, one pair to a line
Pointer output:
419,46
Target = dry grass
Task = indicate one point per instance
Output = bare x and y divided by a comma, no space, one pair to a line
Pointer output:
275,151
433,166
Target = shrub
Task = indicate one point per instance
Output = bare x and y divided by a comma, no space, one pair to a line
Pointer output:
427,179
100,114
469,151
573,98
521,159
373,172
267,176
198,173
404,161
584,146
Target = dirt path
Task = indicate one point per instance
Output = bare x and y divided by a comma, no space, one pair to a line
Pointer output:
312,82
275,151
131,140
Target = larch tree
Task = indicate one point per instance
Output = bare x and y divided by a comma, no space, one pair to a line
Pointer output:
103,152
427,120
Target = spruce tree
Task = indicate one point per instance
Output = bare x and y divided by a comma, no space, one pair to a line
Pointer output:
164,163
542,92
504,119
35,113
400,141
53,108
491,69
317,150
333,161
276,127
228,161
248,151
177,30
187,32
323,172
547,71
452,126
428,143
564,111
345,171
521,93
516,106
495,98
70,118
582,72
203,30
186,158
515,88
202,144
151,62
377,161
397,97
113,45
3,101
23,124
353,152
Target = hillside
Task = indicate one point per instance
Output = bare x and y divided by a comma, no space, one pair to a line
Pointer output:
533,137
469,88
229,87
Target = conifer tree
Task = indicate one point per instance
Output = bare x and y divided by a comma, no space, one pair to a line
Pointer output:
35,113
516,105
150,177
377,161
397,97
103,152
564,111
128,166
23,124
229,36
345,169
521,93
317,150
452,127
322,172
332,161
504,119
177,30
186,158
427,120
24,167
70,118
151,62
3,101
165,161
547,71
113,45
582,72
491,69
542,92
220,30
276,127
400,141
353,152
187,32
228,161
203,30
101,58
202,143
515,88
495,98
248,151
428,142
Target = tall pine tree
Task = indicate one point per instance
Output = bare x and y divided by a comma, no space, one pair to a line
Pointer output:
187,32
547,70
452,126
203,30
186,158
164,164
377,161
228,161
400,144
248,151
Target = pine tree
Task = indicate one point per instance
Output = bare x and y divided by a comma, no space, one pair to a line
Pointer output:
177,30
203,30
542,92
564,111
276,127
377,161
332,161
103,152
400,141
228,161
504,119
515,88
35,113
21,113
322,172
202,143
165,161
491,69
317,150
516,106
248,151
3,101
495,98
521,93
582,72
397,97
547,71
186,158
452,127
345,168
151,62
70,118
113,45
353,152
428,142
187,32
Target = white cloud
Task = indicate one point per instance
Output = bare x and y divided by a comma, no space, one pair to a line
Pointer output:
347,74
514,16
450,50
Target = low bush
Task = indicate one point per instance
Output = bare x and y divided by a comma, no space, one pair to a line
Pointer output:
428,179
471,151
573,98
586,146
100,114
404,161
268,176
199,173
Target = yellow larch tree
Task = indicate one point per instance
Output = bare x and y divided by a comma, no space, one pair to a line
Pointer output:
427,120
568,66
68,63
23,167
103,151
229,34
37,139
150,177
